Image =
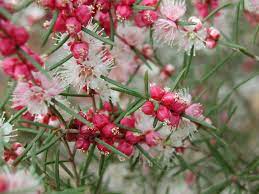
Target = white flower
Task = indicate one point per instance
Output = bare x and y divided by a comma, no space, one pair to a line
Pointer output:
20,181
252,6
36,95
188,39
5,129
165,28
143,122
88,73
186,129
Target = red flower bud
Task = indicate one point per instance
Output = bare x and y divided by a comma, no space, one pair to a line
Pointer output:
123,12
83,14
163,113
156,92
148,108
73,26
110,130
152,138
125,148
100,120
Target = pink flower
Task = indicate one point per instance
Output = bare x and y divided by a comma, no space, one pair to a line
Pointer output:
73,25
152,138
125,148
194,110
173,9
123,12
156,92
36,96
148,108
166,27
83,14
20,181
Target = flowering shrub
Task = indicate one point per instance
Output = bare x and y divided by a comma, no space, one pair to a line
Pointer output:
116,84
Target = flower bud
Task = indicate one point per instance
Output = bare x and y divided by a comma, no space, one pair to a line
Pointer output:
168,99
128,122
214,33
110,130
210,43
152,138
156,92
132,138
194,110
83,14
80,50
163,113
197,23
100,120
54,121
125,148
60,24
174,119
148,108
149,17
73,26
103,5
123,12
7,46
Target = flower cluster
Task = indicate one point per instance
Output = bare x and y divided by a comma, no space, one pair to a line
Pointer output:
169,106
171,29
13,40
104,127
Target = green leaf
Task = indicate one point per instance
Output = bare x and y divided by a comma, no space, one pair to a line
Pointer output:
256,33
117,120
103,39
130,129
5,13
71,112
198,121
37,124
112,34
128,91
143,7
59,44
236,23
146,154
17,115
178,79
225,99
216,67
75,95
57,177
23,5
62,61
87,162
135,108
217,188
7,95
113,149
50,29
141,56
189,62
122,88
27,149
146,84
215,11
34,62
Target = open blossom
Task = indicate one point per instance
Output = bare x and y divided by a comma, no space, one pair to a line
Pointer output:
88,65
5,130
125,58
252,6
20,181
36,95
166,27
